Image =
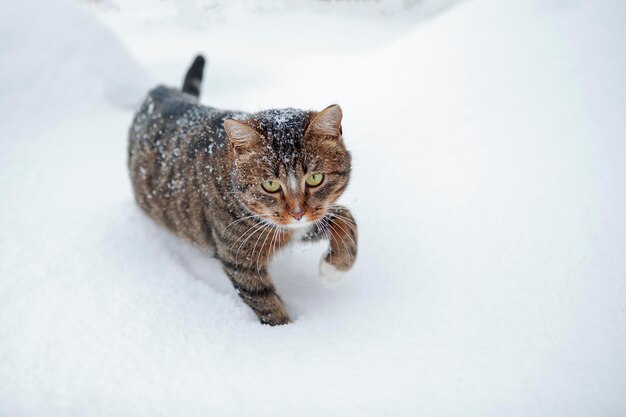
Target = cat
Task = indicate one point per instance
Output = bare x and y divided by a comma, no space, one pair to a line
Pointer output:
244,185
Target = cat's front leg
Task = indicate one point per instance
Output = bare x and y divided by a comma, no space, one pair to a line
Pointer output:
256,290
340,228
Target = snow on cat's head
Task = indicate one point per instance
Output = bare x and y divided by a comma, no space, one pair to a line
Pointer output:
290,165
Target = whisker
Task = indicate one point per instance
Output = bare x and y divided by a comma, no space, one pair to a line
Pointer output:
346,233
323,225
258,227
242,219
278,236
347,219
254,226
282,241
345,245
339,235
351,225
272,245
258,259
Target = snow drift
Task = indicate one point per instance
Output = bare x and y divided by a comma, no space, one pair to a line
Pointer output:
489,175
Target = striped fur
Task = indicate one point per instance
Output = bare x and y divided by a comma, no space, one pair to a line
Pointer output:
190,178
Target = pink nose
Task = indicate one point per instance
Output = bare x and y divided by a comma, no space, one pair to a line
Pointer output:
297,214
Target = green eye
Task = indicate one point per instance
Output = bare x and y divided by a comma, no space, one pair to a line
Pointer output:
270,186
314,180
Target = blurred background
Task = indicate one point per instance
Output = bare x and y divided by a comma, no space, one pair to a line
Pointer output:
488,184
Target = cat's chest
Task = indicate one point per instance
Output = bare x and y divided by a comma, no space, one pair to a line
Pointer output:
296,234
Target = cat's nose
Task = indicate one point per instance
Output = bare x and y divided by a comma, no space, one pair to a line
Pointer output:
297,214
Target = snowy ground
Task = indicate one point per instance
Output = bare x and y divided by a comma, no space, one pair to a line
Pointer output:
489,178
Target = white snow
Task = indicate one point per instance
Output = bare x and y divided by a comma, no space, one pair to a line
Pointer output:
489,178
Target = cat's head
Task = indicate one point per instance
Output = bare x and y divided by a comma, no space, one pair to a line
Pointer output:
290,165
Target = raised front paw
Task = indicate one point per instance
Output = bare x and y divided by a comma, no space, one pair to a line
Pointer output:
342,250
329,275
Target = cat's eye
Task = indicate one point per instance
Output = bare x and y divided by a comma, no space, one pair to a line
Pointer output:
270,186
314,180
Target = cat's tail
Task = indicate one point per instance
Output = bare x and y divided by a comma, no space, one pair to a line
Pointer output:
193,79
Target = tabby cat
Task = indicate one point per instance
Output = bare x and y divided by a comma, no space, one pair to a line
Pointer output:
243,185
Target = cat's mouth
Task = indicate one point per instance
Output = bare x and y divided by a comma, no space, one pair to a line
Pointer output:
288,221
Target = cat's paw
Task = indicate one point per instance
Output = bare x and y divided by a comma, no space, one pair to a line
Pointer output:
329,275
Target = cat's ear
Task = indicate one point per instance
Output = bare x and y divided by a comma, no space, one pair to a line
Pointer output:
240,134
327,122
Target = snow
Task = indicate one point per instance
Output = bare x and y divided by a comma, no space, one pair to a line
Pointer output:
489,174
